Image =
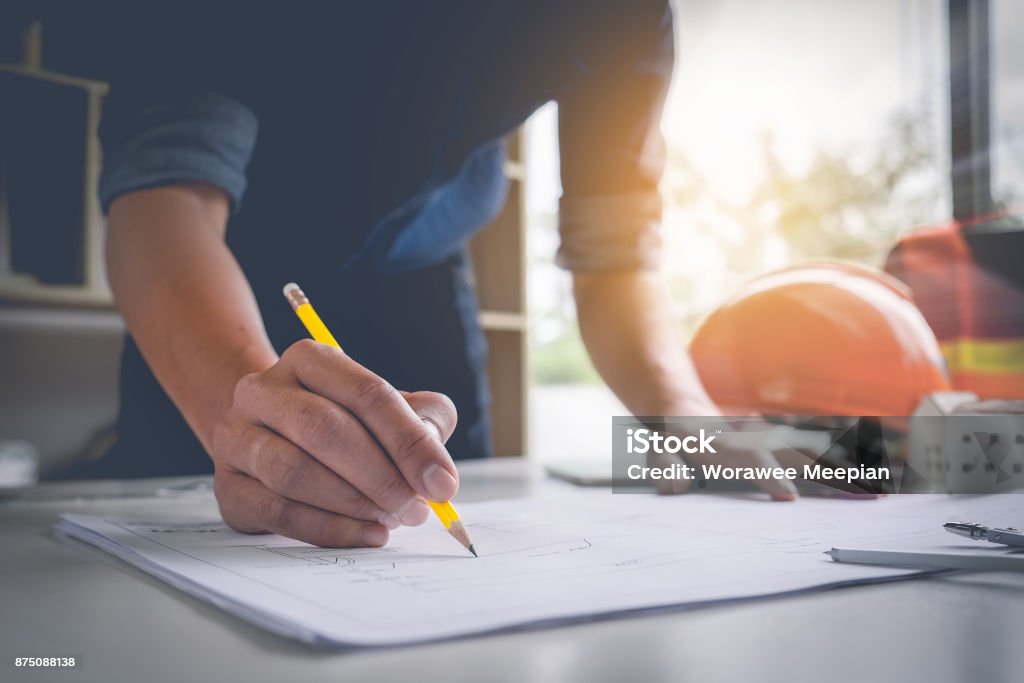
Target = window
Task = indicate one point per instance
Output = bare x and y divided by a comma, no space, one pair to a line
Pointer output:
796,130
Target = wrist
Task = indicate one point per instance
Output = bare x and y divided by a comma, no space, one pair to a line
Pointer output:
253,358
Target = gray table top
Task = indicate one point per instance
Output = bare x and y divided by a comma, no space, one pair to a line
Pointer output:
61,597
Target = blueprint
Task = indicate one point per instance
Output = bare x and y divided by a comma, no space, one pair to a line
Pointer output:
566,557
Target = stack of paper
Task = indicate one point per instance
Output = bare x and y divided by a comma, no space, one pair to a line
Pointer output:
550,560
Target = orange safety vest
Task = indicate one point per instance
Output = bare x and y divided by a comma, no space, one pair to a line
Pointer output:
968,281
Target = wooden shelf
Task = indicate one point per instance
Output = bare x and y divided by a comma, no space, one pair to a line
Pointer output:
87,287
514,170
97,88
499,264
503,320
507,371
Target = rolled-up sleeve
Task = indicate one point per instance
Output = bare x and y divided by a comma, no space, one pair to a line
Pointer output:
612,151
612,232
206,137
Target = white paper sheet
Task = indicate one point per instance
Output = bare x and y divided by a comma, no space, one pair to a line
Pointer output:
567,557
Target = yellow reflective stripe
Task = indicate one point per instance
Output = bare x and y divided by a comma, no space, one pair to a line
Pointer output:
987,356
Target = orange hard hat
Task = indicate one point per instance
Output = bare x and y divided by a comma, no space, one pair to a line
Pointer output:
819,339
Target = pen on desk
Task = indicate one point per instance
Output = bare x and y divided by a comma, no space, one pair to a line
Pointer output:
926,560
445,511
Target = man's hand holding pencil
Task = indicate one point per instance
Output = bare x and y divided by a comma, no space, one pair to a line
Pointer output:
320,449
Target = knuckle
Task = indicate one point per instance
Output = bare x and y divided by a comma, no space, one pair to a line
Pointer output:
247,386
364,508
276,511
446,406
371,391
410,442
260,452
322,425
388,487
271,510
437,408
291,477
303,348
352,502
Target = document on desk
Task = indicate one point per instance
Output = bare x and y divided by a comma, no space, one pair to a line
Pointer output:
572,556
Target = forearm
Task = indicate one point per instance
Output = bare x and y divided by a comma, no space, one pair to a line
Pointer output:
184,298
632,337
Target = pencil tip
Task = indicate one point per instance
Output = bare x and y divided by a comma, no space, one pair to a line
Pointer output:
458,531
827,552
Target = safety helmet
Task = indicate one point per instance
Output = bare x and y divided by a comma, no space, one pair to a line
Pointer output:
824,338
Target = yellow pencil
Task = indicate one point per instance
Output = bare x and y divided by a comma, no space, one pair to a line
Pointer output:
300,304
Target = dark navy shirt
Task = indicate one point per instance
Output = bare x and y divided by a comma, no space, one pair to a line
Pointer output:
375,129
361,145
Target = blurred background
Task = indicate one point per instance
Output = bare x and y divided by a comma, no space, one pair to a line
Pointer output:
795,130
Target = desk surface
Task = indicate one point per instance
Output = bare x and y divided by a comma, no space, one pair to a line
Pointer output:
60,597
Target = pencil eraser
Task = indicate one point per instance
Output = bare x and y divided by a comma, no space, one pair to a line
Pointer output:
290,287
